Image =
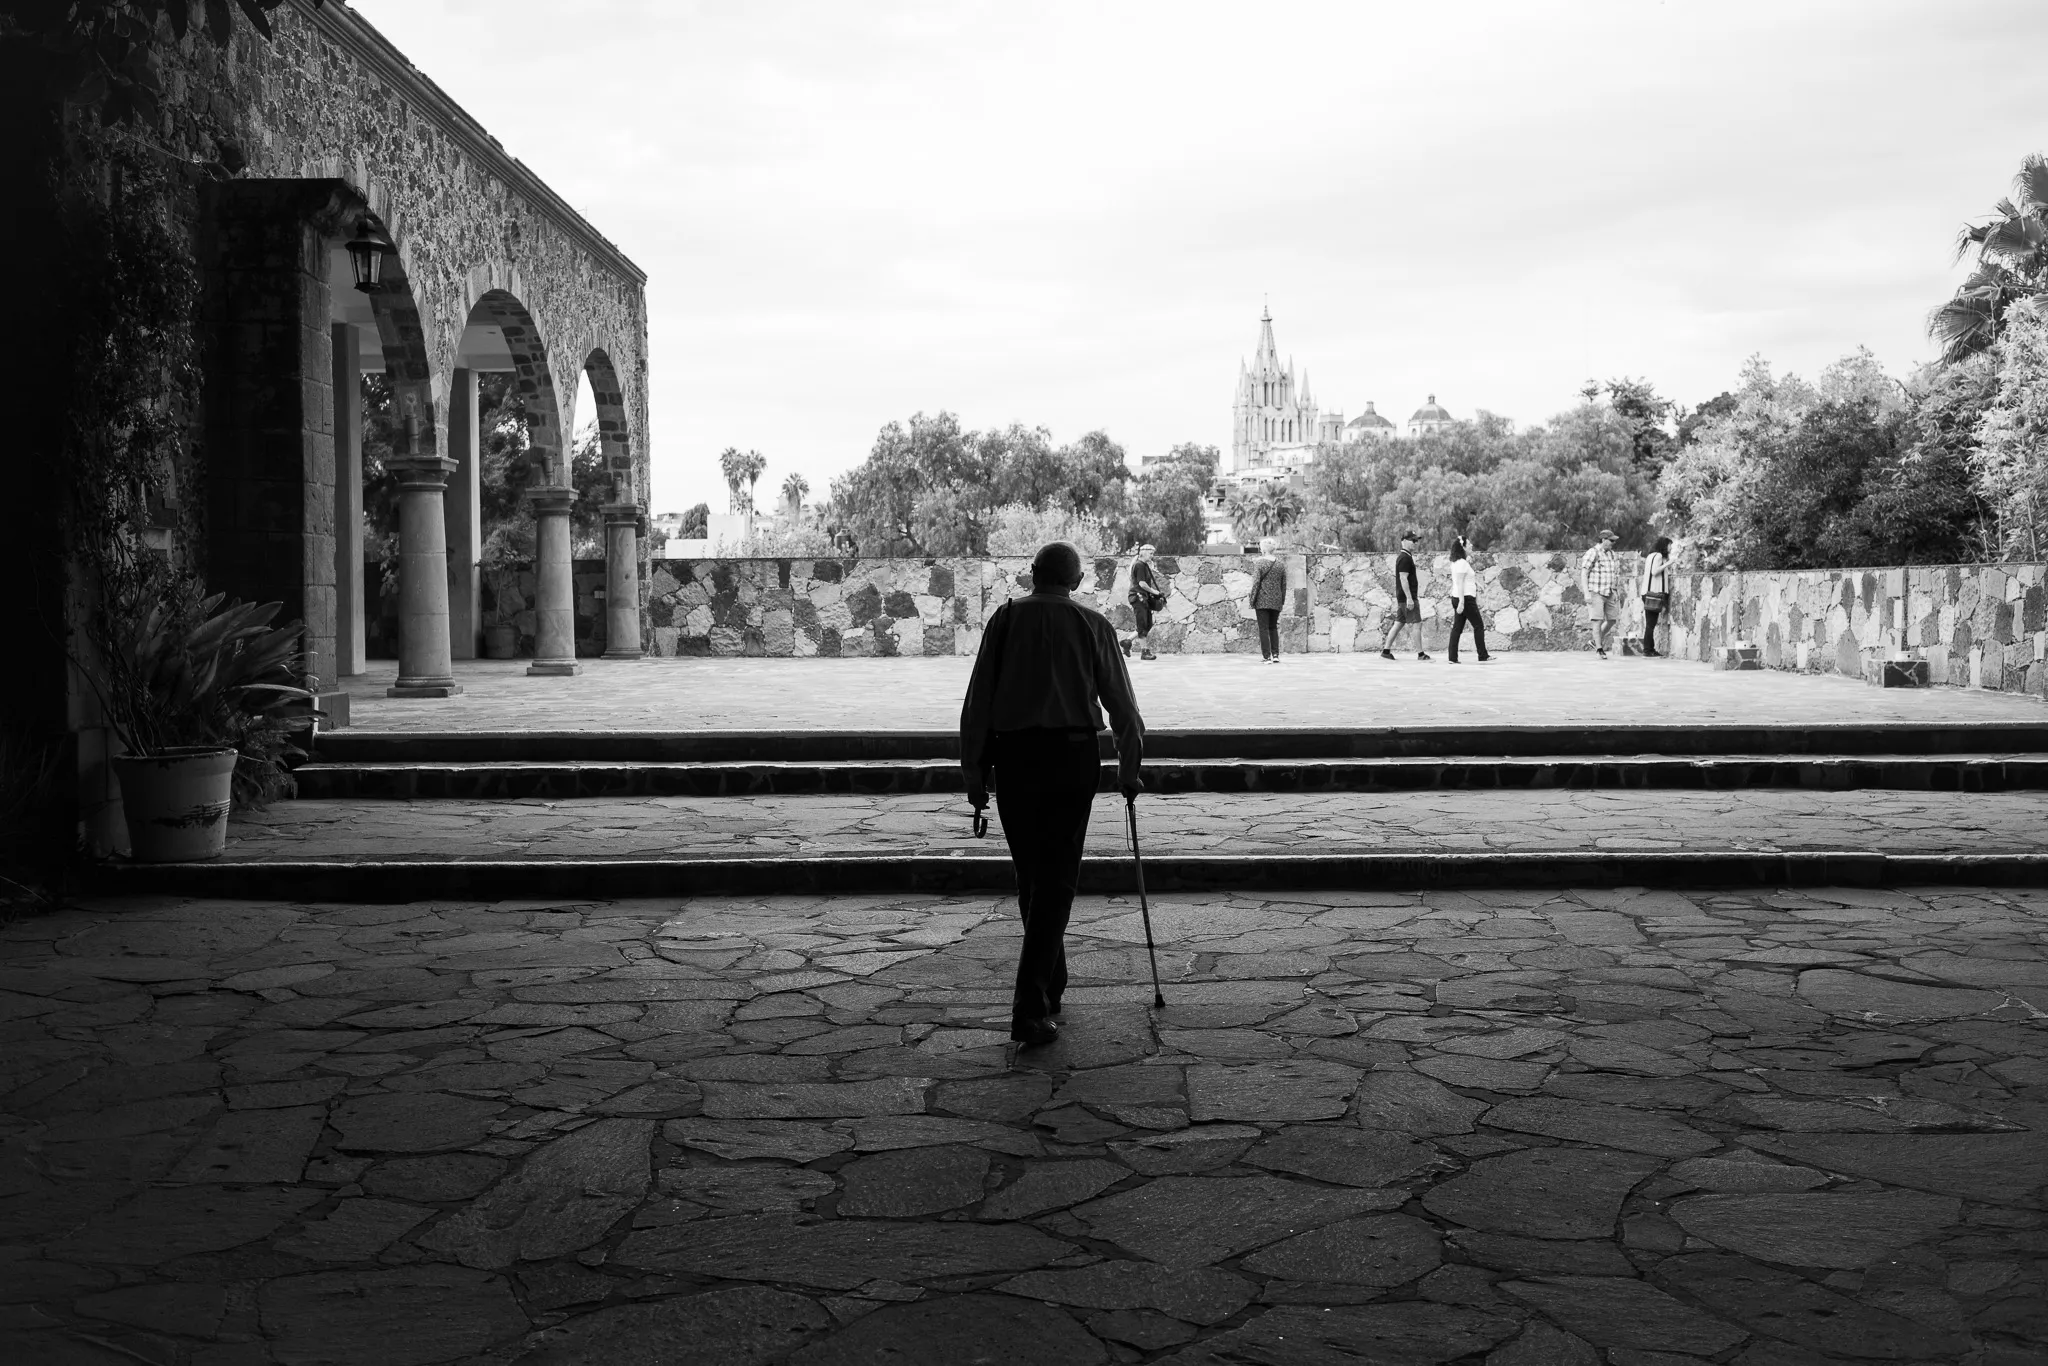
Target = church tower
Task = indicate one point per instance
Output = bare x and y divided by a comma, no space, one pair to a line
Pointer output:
1271,426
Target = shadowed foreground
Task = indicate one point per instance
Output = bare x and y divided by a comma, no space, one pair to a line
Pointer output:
1511,1128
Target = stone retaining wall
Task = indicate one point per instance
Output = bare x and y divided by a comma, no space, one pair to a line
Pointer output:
1980,625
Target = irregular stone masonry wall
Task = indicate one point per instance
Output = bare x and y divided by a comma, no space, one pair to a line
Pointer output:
1980,625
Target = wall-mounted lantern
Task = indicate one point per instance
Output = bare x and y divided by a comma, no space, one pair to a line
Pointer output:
366,253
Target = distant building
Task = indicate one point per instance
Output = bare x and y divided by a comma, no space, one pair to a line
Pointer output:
1430,419
1370,426
1276,428
1273,427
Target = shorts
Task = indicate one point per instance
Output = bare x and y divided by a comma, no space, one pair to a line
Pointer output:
1604,607
1409,614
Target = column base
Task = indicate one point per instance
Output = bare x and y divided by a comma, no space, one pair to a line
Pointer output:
553,668
423,687
625,654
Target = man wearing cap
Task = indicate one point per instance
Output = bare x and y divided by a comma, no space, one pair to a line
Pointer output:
1407,600
1146,597
1031,717
1600,580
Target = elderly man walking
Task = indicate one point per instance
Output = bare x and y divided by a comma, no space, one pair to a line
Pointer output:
1600,580
1047,669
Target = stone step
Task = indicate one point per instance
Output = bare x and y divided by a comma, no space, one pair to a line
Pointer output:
1241,743
506,780
489,880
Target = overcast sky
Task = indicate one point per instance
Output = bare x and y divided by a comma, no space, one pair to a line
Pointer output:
1070,215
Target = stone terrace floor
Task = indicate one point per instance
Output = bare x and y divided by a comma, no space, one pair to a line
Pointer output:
1646,1129
1554,819
1236,691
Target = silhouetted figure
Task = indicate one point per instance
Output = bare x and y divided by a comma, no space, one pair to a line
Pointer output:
1047,669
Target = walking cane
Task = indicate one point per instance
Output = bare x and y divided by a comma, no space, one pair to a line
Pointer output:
1144,908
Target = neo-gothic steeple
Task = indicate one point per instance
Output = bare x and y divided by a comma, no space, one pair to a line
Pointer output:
1273,424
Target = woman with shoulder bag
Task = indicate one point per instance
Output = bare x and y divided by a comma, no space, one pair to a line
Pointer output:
1146,597
1656,591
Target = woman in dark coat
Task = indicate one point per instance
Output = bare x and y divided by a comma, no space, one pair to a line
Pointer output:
1269,595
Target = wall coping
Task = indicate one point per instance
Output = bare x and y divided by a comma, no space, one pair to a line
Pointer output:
355,33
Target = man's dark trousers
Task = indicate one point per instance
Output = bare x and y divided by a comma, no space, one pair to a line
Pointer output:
1045,781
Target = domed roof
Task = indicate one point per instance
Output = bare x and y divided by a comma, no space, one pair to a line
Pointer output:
1430,412
1368,418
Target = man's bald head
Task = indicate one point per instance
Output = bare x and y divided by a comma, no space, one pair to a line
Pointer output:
1057,565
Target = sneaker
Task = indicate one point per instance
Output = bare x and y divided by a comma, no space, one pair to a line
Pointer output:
1601,653
1148,655
1420,655
1034,1033
1386,654
1486,659
1451,660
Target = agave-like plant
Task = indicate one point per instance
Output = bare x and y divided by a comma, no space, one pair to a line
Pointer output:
192,671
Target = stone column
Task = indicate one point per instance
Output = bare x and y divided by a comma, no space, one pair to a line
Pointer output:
465,520
350,643
554,594
622,580
424,666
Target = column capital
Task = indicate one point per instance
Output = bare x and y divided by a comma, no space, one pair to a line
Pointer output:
615,513
421,471
550,498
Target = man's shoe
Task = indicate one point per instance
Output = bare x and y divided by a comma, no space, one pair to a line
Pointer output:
1386,654
1601,653
1420,655
1034,1033
1148,655
1486,659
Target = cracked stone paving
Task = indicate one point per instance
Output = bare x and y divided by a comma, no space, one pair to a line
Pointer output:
1638,1128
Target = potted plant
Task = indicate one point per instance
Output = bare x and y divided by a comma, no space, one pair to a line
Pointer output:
500,563
208,699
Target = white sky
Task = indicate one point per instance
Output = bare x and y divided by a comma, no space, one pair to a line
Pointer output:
1069,214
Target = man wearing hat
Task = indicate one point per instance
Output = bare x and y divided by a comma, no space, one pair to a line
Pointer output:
1146,597
1407,600
1600,579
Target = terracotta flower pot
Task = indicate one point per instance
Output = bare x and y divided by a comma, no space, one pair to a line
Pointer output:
500,641
176,803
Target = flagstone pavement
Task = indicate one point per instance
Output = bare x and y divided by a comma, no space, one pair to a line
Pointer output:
1543,819
1638,1128
1236,691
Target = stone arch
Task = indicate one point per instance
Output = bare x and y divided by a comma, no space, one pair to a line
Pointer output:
535,384
408,361
614,428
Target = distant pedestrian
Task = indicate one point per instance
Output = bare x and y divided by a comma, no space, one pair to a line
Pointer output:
1656,591
1465,604
1269,595
1146,597
1407,600
1600,580
1030,721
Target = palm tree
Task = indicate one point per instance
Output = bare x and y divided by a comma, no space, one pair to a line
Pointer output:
2012,264
794,487
733,466
755,462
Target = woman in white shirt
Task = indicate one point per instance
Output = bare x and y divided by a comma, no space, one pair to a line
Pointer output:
1656,590
1465,603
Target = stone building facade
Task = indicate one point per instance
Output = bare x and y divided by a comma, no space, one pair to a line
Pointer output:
279,152
1272,426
